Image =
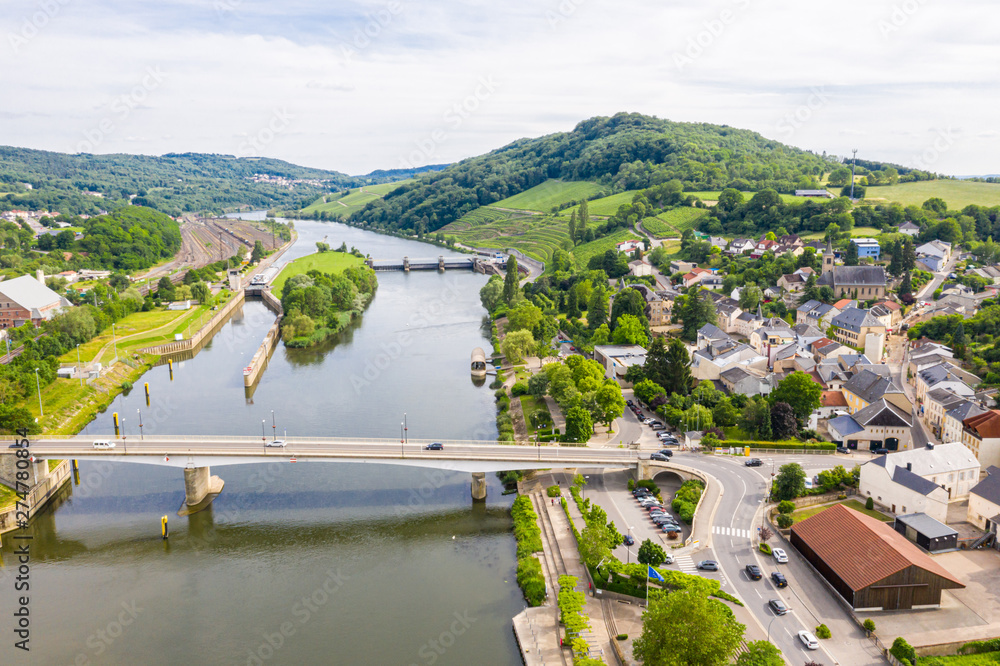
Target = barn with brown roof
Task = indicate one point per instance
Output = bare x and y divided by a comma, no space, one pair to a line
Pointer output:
871,565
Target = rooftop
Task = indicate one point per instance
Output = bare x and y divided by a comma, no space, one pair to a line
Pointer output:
870,386
989,488
930,528
950,457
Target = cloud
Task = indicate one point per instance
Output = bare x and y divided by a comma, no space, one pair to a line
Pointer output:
364,82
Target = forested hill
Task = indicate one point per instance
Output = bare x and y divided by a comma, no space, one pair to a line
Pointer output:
174,183
627,151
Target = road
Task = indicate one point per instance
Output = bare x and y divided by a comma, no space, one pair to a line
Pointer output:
939,278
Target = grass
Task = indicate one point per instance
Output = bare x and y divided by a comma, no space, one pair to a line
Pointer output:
609,205
342,205
957,193
325,262
7,497
802,514
529,405
583,253
536,235
549,194
714,196
982,659
856,232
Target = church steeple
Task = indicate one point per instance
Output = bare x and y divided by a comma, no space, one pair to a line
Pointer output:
760,313
827,258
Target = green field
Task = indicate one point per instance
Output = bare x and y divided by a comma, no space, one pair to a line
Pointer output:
341,206
609,205
982,659
802,514
957,193
549,194
583,253
856,232
325,262
537,236
713,196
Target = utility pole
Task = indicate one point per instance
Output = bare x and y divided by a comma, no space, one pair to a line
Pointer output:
854,165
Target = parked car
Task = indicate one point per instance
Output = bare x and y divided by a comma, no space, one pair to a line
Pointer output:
663,435
881,451
843,449
647,421
753,571
779,579
668,527
629,403
754,462
658,456
658,428
276,442
435,446
808,640
779,555
778,606
667,452
628,540
669,560
708,565
641,492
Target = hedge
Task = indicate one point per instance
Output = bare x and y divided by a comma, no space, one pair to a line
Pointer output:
811,446
529,540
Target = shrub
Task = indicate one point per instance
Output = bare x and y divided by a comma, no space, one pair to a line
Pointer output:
495,384
822,631
903,651
631,485
786,506
499,393
869,625
784,521
766,549
621,637
519,388
869,503
978,647
553,491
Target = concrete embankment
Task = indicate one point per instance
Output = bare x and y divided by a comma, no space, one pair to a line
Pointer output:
45,487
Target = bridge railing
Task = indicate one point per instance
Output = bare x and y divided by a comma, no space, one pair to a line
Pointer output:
251,439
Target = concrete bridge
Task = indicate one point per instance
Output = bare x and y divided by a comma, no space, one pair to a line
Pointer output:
197,454
440,264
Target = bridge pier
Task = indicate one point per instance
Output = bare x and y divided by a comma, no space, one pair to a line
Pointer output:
441,263
37,471
479,486
406,264
200,489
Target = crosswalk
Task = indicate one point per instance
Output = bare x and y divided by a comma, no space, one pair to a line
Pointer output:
731,531
686,564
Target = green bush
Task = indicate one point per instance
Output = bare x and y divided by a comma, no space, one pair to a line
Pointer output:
811,446
822,631
784,521
495,384
519,388
531,580
526,530
499,393
978,647
621,637
903,651
766,549
869,625
553,491
631,485
869,503
786,506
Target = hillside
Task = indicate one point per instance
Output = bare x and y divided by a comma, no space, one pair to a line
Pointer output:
624,152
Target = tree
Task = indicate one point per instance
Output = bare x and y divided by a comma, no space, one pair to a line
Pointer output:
597,308
258,252
839,176
760,653
45,242
786,506
579,424
76,323
602,336
646,390
491,293
800,392
750,297
572,227
755,419
583,219
526,316
651,553
905,286
725,413
958,340
765,534
677,375
851,257
627,302
538,385
789,483
896,263
593,543
784,425
630,331
935,205
517,345
201,293
687,627
573,305
511,281
694,311
609,401
909,253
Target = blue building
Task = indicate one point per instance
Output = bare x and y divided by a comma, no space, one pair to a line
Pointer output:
867,247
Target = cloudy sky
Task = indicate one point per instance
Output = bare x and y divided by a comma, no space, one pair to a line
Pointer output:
361,85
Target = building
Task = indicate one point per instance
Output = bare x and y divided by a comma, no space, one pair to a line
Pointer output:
657,308
679,266
695,276
934,255
951,467
630,246
945,376
822,194
640,267
931,535
793,282
617,359
712,360
816,313
868,563
740,245
869,385
740,379
25,299
909,228
762,246
852,327
867,248
864,282
984,502
981,433
880,425
953,422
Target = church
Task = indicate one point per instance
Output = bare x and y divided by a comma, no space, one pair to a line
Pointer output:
861,282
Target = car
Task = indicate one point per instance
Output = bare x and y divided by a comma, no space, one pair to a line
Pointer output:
882,451
779,555
103,444
629,403
753,571
778,606
656,423
669,559
628,540
754,462
658,456
658,428
16,445
843,449
779,579
808,640
669,527
656,508
708,565
647,421
640,492
276,442
434,446
647,502
664,518
666,435
666,452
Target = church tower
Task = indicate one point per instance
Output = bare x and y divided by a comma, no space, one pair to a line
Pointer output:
827,259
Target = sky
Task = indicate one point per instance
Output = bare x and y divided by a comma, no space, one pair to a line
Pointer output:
361,85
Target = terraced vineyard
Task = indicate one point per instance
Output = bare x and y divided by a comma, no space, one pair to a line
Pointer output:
549,194
609,205
673,223
583,253
536,235
343,205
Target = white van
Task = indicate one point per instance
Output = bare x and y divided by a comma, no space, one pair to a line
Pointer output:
103,444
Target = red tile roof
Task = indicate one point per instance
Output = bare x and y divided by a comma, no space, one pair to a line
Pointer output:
833,399
842,303
862,550
986,425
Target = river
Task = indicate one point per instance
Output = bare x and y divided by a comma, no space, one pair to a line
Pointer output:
293,563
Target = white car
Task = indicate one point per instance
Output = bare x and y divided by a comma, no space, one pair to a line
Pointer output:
808,640
780,556
669,560
276,442
104,444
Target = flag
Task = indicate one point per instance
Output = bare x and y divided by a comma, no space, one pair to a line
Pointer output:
654,574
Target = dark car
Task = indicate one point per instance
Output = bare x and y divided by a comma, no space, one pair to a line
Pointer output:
15,445
641,491
668,527
629,403
754,462
843,449
754,572
881,451
778,606
666,452
658,456
436,446
779,579
708,565
628,540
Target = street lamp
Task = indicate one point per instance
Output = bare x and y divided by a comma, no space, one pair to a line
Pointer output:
140,422
263,437
402,439
78,363
274,428
39,387
787,610
406,429
586,480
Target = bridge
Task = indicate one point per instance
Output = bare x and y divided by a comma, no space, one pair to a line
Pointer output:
440,264
197,454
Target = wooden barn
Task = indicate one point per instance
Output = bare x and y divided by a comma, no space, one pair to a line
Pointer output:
870,564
